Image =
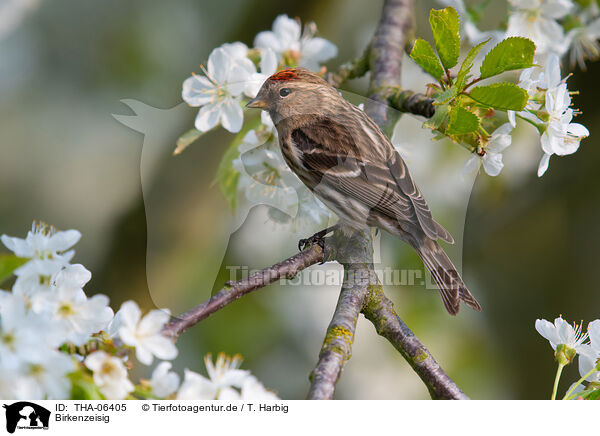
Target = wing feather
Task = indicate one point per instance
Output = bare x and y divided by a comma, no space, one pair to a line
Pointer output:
330,152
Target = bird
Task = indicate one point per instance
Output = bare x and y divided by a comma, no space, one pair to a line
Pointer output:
347,161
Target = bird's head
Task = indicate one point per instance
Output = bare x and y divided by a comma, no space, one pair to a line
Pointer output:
294,92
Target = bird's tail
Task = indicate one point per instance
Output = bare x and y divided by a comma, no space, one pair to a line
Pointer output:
452,288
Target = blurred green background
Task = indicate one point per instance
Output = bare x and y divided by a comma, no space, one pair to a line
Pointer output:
530,245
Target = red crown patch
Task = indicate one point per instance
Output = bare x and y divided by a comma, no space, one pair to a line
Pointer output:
289,74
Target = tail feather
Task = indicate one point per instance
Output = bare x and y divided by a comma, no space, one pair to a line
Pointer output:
451,286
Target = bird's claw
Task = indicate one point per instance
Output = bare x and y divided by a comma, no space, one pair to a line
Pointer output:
317,238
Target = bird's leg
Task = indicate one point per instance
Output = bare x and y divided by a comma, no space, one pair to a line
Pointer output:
317,238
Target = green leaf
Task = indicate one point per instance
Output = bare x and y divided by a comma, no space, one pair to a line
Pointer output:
504,96
462,122
510,54
186,139
443,97
436,121
423,54
444,25
467,64
9,263
227,177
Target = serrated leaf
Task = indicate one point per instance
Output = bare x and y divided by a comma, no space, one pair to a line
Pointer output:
504,96
227,177
443,96
186,139
510,54
444,25
422,53
467,64
438,118
461,122
9,263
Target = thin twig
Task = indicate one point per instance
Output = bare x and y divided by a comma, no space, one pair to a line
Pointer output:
286,269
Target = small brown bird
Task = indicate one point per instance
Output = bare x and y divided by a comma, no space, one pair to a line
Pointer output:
341,155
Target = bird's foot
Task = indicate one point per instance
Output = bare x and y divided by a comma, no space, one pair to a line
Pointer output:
317,238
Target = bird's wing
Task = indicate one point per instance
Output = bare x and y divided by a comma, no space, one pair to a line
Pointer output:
386,187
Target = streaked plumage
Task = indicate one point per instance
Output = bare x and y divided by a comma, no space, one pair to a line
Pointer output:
347,161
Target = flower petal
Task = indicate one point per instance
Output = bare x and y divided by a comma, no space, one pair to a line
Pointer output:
286,29
492,163
18,246
197,90
578,130
315,51
144,355
62,241
219,64
594,333
552,72
162,347
153,321
208,117
268,39
232,116
548,331
130,314
268,61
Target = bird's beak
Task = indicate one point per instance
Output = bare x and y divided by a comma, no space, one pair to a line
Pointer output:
257,103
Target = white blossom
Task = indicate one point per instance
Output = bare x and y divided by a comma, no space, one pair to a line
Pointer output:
164,382
110,375
286,37
47,378
561,137
223,377
24,335
66,303
48,251
492,159
583,43
549,100
561,332
218,93
145,334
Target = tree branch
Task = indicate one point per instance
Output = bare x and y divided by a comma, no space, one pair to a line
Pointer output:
410,102
380,311
337,345
286,269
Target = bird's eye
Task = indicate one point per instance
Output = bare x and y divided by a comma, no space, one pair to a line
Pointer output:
284,92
